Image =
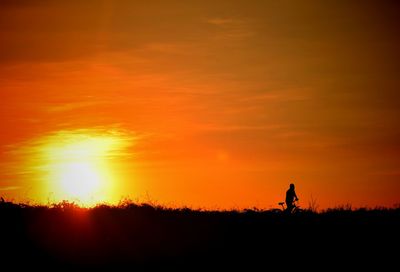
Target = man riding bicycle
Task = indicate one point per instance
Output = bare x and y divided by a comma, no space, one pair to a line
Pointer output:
291,197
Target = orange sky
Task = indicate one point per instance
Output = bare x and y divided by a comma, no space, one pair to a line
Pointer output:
220,104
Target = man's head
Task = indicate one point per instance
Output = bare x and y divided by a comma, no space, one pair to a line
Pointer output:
291,186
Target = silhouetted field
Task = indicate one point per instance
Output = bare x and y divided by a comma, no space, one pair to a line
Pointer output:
143,237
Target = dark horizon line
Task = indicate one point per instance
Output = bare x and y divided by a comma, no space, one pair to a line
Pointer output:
150,205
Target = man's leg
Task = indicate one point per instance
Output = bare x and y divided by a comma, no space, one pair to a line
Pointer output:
289,208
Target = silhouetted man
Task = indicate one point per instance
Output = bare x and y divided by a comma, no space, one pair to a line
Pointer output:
290,198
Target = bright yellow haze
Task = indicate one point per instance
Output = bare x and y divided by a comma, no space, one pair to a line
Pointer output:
79,165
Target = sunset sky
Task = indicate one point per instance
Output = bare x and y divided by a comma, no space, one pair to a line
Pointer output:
207,104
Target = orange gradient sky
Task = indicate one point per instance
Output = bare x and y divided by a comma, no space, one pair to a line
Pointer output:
211,104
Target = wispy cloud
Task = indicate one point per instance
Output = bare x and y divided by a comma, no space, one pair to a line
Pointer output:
63,107
220,21
10,188
230,128
296,94
117,143
230,28
394,173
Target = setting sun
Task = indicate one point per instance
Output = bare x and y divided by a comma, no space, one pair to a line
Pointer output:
80,166
77,165
79,180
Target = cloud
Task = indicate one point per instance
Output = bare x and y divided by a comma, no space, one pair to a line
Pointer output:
63,107
282,95
220,21
232,128
394,173
115,141
10,188
231,29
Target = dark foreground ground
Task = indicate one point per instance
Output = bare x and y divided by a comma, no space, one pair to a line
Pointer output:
143,237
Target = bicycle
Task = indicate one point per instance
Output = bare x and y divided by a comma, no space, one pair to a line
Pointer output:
296,208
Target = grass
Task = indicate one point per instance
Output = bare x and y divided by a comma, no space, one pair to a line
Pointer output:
143,235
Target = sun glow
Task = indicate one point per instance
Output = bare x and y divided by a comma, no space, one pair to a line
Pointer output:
79,179
80,165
